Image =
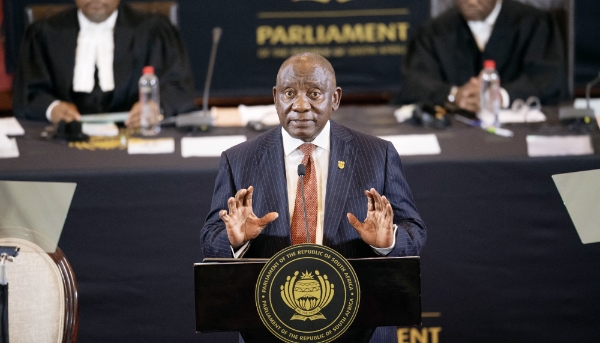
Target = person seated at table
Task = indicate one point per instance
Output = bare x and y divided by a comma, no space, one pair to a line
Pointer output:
89,59
446,55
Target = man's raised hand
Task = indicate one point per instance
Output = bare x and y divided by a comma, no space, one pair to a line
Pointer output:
377,230
240,221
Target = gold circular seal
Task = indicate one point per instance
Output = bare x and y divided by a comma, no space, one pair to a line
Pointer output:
307,293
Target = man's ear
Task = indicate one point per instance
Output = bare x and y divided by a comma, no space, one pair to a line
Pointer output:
275,94
337,97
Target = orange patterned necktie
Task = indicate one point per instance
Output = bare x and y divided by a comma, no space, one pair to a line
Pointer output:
310,194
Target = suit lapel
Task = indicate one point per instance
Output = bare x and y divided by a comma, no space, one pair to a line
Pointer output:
339,179
272,166
122,62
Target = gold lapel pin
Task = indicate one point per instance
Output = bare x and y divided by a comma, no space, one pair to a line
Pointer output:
341,164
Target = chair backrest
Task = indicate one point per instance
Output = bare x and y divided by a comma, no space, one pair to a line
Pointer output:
42,295
169,9
562,10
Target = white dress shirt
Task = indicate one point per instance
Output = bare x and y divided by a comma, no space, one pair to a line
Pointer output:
95,48
482,30
292,158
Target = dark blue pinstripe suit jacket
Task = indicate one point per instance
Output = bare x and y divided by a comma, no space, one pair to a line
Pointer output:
370,162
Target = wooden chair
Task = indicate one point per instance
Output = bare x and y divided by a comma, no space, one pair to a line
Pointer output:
42,301
169,9
563,11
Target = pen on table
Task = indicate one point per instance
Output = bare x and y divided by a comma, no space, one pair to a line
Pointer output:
491,129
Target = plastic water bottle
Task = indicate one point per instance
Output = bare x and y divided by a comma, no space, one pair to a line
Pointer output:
149,102
490,98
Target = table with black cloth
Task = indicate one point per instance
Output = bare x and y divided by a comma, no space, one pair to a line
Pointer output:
502,263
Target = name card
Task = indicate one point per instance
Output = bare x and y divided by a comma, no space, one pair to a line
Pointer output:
408,145
208,146
151,146
538,146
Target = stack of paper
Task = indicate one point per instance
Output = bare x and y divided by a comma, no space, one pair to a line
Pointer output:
11,127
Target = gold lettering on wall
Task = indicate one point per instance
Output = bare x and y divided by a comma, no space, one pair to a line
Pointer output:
324,35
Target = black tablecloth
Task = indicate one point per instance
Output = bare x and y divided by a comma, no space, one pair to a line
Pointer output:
502,263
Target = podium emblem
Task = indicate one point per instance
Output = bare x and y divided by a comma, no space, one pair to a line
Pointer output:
307,296
307,293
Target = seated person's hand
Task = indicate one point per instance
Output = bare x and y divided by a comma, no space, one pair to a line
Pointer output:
467,96
135,114
134,119
64,111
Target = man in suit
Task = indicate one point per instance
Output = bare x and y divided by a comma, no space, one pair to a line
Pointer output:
350,176
446,55
89,60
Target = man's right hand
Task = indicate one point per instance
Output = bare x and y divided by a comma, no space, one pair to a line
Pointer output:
64,111
241,223
467,96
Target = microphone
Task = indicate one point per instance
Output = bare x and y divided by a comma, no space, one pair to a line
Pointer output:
203,118
301,173
575,113
588,87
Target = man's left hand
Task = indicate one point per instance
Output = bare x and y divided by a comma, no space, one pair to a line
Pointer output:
378,228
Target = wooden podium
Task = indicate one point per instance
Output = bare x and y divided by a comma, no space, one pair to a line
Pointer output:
224,296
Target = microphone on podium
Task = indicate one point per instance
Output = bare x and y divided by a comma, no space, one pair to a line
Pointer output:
301,173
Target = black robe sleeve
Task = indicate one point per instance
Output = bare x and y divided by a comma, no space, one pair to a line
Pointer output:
543,65
33,89
172,66
424,79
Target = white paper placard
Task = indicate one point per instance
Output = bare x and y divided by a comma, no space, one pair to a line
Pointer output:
208,146
11,127
100,129
151,146
538,146
8,147
408,145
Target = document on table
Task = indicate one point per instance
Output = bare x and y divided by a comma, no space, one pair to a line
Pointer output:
151,146
116,117
208,146
407,145
580,192
11,127
528,116
8,147
538,146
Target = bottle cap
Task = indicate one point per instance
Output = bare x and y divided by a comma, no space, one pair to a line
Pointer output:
489,64
148,70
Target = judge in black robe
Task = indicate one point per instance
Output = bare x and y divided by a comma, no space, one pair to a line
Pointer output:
525,43
47,61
